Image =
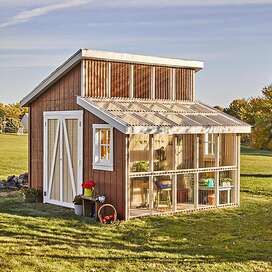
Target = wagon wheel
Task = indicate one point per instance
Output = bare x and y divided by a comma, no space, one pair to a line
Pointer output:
109,218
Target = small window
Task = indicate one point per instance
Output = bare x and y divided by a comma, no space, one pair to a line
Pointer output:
102,147
209,144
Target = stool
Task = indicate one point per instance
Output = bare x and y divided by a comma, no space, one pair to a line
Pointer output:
166,193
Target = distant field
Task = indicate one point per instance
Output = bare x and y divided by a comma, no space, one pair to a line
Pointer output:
255,161
13,155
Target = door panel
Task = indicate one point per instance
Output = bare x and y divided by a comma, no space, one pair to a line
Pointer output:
63,173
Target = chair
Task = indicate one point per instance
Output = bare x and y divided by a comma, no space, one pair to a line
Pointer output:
163,195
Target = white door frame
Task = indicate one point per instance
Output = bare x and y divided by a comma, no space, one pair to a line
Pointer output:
61,116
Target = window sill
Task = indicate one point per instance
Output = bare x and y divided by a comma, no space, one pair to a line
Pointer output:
103,167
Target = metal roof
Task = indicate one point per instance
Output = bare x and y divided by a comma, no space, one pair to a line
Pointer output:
135,115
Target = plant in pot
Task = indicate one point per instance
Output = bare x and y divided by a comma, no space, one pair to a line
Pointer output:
78,205
88,187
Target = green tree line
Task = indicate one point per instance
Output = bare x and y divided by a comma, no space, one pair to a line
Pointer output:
10,117
256,111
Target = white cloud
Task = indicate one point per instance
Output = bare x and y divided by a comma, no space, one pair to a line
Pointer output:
27,15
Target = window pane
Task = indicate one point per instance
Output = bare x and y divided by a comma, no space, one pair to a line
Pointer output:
139,153
207,151
108,152
163,152
104,136
103,153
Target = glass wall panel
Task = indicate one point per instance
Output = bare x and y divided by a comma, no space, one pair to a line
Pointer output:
185,191
227,149
207,150
139,153
185,151
139,196
226,187
163,152
162,193
206,189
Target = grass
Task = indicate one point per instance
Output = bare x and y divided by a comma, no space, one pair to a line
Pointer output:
13,155
38,237
256,162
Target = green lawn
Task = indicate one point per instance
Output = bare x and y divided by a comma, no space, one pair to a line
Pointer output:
255,161
37,237
13,155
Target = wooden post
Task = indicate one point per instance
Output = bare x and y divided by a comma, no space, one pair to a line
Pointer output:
196,166
131,81
127,179
109,80
151,169
174,178
173,84
217,173
153,82
237,187
194,88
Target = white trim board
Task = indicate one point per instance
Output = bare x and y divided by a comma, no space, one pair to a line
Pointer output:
108,56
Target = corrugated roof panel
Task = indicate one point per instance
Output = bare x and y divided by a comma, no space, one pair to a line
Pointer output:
163,115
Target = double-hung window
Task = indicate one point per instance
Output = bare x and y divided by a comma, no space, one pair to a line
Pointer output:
102,147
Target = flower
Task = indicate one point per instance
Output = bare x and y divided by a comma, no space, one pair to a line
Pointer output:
88,184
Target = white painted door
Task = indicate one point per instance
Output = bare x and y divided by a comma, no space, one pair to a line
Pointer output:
62,157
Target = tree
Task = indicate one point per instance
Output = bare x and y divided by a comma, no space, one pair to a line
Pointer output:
257,111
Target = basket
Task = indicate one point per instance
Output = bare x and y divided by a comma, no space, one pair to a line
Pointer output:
109,218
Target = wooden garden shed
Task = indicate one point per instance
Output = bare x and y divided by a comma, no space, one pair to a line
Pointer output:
132,123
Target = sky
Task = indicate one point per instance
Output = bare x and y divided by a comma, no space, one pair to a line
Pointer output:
232,37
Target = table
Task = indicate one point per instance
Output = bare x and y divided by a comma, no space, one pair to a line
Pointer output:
89,210
220,189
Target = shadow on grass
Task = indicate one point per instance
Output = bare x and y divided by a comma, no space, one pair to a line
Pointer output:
212,237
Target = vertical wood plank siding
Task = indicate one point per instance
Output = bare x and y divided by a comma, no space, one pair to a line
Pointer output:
142,81
110,184
162,82
59,97
119,79
184,84
97,74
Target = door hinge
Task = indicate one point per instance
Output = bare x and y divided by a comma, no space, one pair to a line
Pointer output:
44,193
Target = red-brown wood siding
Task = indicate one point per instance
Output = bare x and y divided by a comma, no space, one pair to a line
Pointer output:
119,79
60,97
184,84
142,81
162,82
109,183
96,72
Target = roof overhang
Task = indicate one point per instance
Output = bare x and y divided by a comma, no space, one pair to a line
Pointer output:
142,59
108,56
126,128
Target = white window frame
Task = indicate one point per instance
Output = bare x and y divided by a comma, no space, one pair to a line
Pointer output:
106,165
207,143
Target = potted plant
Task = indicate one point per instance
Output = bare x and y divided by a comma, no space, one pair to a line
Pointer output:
78,205
88,187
